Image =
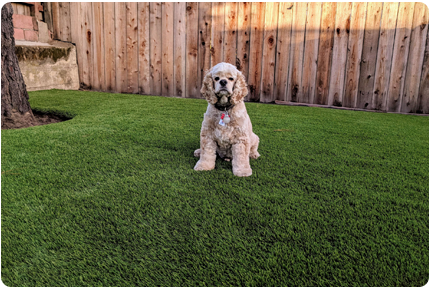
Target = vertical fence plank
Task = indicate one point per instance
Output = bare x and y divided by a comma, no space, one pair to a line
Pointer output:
109,45
144,42
385,53
230,33
155,30
87,38
340,46
64,13
256,51
55,8
217,38
400,56
423,95
132,63
325,52
167,48
243,31
313,22
294,86
369,54
98,48
205,24
416,57
355,48
76,34
269,52
180,48
191,66
120,46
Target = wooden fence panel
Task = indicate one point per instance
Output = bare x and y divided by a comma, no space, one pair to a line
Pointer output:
255,51
144,43
363,55
416,57
355,48
340,51
167,49
369,54
180,48
313,21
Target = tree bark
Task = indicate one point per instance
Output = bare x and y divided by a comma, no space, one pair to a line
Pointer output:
15,108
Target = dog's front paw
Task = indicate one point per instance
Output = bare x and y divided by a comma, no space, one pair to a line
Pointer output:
254,155
203,166
242,172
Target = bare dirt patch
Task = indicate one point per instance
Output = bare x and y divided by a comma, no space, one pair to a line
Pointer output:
16,121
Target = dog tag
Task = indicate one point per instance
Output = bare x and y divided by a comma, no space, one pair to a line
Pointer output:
221,122
226,119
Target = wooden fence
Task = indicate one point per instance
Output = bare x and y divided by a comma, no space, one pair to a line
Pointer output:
359,55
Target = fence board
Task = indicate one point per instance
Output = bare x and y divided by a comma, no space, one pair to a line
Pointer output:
369,55
180,48
255,51
167,48
230,35
109,45
97,47
132,65
385,53
310,60
86,31
324,52
64,13
400,56
340,50
423,95
355,48
55,9
144,43
243,32
191,66
76,34
294,88
205,24
217,38
155,32
120,47
269,51
416,57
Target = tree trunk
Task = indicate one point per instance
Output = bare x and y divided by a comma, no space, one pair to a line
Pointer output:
15,109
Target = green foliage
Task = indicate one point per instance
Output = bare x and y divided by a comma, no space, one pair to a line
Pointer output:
110,198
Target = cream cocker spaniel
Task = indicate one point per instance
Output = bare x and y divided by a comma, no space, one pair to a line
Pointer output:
226,127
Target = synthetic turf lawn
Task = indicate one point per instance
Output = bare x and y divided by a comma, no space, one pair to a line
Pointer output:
110,198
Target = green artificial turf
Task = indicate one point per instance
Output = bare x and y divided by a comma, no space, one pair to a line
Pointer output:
110,198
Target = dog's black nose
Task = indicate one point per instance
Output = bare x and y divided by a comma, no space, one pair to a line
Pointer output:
223,82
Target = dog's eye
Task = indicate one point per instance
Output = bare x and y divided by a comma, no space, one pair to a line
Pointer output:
216,78
231,79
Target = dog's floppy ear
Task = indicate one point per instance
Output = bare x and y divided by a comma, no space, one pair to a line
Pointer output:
208,88
240,89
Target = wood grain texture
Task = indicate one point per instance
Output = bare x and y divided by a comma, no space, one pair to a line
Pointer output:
109,45
65,21
400,56
243,36
385,54
167,49
355,49
256,51
217,37
230,33
416,57
180,48
340,51
313,22
132,64
76,34
87,42
155,48
325,52
191,66
99,82
369,55
55,8
120,47
144,43
269,52
205,24
423,95
294,86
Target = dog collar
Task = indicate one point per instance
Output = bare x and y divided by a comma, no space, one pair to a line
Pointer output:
223,108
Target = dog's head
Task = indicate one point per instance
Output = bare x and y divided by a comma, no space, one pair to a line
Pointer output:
224,85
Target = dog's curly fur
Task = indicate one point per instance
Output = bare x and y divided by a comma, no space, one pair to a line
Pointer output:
235,140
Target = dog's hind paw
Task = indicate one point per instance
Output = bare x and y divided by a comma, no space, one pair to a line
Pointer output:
197,152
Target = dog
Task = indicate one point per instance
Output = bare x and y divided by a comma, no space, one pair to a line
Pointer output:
226,128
